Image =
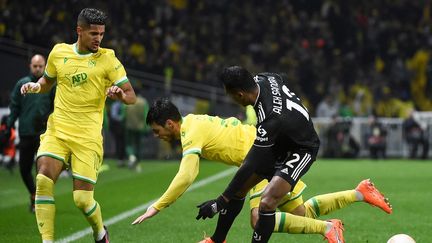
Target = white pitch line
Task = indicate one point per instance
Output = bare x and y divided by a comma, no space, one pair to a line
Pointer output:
126,214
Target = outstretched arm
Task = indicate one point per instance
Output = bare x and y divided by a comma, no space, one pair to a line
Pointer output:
189,168
43,85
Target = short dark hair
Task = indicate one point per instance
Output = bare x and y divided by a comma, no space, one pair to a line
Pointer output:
90,16
161,110
237,78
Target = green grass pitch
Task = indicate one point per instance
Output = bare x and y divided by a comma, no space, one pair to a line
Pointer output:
406,183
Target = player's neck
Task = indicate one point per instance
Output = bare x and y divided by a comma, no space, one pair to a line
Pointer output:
80,49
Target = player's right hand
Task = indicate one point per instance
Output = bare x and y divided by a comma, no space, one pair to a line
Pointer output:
210,208
30,87
151,211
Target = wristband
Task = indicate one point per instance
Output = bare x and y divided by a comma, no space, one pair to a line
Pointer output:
38,88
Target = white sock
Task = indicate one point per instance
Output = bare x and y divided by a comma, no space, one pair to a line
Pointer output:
100,235
359,196
328,227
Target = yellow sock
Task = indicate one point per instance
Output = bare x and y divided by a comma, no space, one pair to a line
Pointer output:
45,207
324,204
85,202
286,222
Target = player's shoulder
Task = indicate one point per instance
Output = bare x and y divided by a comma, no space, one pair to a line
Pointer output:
193,121
62,47
106,52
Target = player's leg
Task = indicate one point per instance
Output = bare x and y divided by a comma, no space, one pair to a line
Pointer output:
227,216
292,202
86,160
28,147
324,204
83,195
288,174
48,171
50,161
327,203
272,195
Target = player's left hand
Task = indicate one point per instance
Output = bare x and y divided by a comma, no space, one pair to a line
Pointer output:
210,208
115,93
151,211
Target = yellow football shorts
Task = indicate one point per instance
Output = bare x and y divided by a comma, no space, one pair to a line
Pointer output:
83,157
288,203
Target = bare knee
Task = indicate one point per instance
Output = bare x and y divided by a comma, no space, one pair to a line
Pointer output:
254,217
49,167
299,211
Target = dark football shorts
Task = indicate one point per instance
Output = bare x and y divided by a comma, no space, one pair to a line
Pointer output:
295,164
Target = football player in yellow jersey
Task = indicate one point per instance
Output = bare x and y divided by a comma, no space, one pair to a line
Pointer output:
228,141
85,75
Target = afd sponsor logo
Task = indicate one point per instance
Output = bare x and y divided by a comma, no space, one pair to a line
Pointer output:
261,134
79,79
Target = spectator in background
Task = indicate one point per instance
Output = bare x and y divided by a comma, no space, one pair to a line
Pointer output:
117,128
340,142
328,107
415,135
376,138
136,115
32,111
7,146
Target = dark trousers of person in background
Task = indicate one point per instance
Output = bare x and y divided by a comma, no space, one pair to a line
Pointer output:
28,147
377,151
414,142
118,131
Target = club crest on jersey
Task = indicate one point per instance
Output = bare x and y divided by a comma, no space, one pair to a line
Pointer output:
91,63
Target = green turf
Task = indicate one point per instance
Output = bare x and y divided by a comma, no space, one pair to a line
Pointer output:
406,183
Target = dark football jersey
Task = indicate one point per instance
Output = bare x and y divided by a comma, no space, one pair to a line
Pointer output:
283,122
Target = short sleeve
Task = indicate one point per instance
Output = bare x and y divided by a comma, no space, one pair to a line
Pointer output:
116,72
50,69
192,140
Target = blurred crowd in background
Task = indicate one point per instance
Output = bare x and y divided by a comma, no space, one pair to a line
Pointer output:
349,58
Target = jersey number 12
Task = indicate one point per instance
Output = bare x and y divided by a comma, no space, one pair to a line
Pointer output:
292,105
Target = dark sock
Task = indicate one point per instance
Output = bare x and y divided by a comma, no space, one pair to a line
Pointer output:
226,219
264,226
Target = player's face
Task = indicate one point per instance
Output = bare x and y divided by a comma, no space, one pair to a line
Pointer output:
91,36
163,132
238,97
37,66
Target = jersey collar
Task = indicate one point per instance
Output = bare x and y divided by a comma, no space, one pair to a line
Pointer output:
75,48
259,91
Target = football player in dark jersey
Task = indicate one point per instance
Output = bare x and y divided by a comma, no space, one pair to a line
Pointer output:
285,147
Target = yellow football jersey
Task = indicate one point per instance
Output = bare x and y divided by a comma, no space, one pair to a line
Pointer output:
82,82
214,138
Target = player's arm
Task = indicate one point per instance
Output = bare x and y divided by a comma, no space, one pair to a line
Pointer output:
47,81
189,168
124,93
43,85
121,88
